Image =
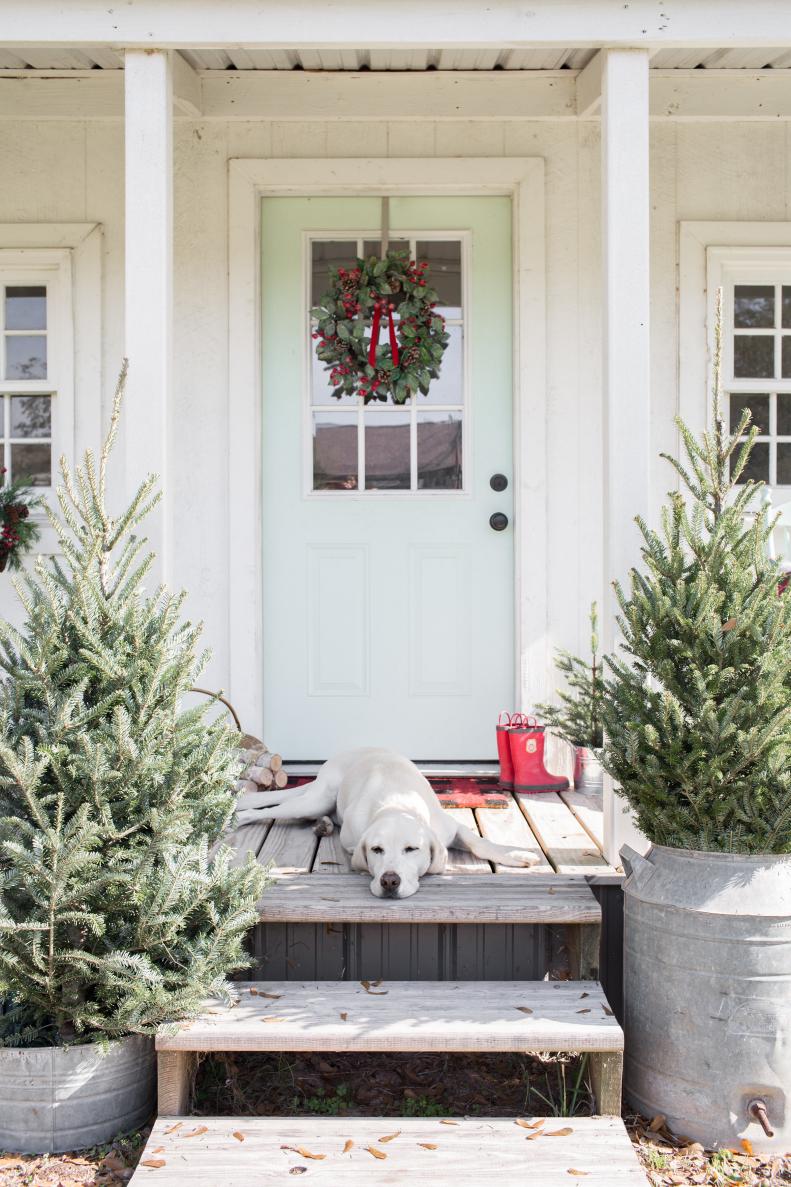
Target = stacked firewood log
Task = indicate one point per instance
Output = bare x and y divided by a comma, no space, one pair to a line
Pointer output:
261,769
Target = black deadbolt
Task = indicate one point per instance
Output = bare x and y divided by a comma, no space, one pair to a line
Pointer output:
498,482
498,521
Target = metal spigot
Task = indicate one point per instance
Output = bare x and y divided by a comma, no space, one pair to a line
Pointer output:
757,1109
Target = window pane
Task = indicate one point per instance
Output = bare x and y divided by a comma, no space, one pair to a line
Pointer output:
439,451
449,388
444,272
753,357
785,359
784,415
757,467
784,465
31,416
321,388
387,451
786,319
754,306
758,405
334,451
25,357
33,462
26,307
326,255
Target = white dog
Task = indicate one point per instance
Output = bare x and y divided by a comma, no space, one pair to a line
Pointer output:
391,821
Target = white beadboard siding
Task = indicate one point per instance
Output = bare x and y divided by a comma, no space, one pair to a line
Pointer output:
74,171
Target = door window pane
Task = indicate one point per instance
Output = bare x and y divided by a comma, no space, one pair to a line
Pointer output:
387,451
785,360
449,388
754,306
439,451
758,405
784,464
334,451
753,356
784,414
26,307
444,272
26,356
31,416
325,255
33,462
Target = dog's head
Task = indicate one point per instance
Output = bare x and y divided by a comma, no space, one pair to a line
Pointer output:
397,849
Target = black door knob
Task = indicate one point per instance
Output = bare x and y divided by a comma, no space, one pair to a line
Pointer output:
498,482
498,521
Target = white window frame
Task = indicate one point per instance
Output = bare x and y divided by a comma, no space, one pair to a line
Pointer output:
347,408
67,257
716,255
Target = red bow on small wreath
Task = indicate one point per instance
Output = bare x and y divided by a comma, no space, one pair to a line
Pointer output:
393,289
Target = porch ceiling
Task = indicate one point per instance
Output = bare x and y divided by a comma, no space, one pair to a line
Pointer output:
90,57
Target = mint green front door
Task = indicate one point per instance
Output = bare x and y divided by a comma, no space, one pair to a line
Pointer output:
387,593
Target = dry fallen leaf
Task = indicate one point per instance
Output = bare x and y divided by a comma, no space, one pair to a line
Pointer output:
558,1133
303,1153
376,1153
347,1145
298,1170
389,1136
272,996
582,995
239,1136
194,1133
448,1122
156,1163
572,1171
531,1137
747,1146
584,1010
173,1128
273,1018
523,1009
521,1121
428,1145
367,987
657,1122
159,1150
344,1016
607,1011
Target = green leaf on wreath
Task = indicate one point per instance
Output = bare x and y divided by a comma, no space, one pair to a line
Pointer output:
437,324
343,331
359,329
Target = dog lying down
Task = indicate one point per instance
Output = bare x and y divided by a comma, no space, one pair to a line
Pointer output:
391,822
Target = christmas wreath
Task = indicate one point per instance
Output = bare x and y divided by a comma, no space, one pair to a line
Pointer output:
391,294
18,532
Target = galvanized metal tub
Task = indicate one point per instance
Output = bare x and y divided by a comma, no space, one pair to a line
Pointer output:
66,1098
707,993
588,771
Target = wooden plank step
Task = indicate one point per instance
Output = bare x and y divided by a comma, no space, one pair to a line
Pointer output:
403,1016
446,898
240,1151
565,842
461,861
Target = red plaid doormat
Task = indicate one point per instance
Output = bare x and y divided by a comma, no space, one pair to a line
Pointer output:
453,792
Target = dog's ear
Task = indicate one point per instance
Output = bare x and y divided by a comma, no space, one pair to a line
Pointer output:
439,855
360,857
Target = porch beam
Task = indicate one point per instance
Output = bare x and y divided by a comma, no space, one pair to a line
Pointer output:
331,23
148,87
625,346
683,95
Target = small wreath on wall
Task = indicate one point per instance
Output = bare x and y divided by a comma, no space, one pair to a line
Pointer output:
389,294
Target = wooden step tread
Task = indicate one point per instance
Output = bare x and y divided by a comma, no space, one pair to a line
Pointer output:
469,1153
403,1016
446,898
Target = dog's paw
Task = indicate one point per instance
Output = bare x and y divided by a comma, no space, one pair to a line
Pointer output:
246,816
324,827
520,857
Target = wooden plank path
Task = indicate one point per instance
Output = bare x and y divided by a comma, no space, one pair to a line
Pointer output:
444,898
241,1151
403,1016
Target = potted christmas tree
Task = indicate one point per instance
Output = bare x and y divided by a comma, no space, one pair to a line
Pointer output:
114,915
577,719
697,717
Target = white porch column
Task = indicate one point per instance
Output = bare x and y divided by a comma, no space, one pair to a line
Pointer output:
626,370
148,91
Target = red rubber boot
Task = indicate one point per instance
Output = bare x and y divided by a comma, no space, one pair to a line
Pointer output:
504,725
527,756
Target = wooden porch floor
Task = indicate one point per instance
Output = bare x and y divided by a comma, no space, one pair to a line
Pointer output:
563,829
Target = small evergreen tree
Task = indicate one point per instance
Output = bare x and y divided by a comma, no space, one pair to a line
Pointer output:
114,916
577,719
698,718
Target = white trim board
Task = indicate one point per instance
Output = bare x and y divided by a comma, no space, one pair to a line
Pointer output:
249,181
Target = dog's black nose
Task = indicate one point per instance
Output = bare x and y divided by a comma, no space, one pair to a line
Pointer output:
390,882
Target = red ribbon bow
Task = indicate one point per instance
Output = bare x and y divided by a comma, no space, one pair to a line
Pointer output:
375,328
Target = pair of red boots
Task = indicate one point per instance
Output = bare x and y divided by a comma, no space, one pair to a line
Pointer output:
520,749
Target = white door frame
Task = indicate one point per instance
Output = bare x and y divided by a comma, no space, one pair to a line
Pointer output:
522,179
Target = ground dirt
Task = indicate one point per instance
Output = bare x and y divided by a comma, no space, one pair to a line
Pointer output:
405,1085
